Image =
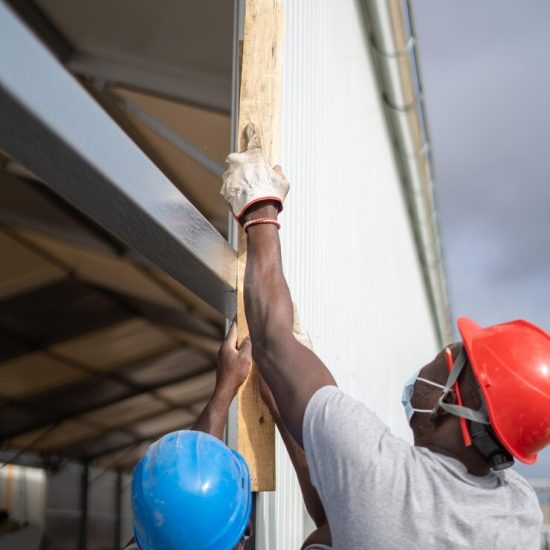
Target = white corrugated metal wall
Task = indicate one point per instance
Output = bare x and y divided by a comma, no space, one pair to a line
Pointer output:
23,493
348,248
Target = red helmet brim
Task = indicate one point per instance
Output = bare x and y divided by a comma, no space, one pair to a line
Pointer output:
467,329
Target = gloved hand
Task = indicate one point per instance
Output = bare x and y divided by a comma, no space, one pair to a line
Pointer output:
249,178
299,331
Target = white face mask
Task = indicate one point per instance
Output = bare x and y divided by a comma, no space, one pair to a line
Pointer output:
408,392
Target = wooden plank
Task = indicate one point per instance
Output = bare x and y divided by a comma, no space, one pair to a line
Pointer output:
259,103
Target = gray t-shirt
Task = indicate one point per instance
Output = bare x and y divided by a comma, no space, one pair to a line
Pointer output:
379,492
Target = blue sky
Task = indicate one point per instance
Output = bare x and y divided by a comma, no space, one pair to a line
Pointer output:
486,69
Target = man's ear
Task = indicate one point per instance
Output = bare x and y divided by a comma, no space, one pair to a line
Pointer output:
450,398
441,412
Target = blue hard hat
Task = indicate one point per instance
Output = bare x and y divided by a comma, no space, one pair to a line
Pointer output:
190,491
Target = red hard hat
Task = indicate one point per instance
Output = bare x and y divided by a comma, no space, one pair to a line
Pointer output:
511,362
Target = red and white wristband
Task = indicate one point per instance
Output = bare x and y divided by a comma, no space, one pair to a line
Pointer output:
261,221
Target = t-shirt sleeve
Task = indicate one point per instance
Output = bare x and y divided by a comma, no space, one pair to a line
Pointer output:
348,449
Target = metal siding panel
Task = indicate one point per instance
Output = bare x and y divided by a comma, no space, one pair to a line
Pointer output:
348,249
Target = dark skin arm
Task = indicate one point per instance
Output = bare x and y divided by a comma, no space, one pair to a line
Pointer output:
233,368
297,456
292,371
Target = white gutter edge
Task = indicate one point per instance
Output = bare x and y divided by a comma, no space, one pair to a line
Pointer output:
392,37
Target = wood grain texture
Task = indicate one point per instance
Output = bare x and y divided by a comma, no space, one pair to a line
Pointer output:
259,103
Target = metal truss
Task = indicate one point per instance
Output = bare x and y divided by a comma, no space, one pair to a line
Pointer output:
50,124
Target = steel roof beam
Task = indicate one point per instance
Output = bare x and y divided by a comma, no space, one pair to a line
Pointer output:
78,449
174,138
82,397
56,313
198,89
63,136
135,442
43,27
29,204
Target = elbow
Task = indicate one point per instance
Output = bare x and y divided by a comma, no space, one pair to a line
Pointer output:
318,518
262,353
259,352
268,348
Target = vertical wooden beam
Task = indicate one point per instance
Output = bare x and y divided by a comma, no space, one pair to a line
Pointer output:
259,103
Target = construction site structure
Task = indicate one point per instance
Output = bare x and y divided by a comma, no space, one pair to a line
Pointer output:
121,264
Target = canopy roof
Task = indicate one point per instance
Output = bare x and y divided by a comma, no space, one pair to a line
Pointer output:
100,352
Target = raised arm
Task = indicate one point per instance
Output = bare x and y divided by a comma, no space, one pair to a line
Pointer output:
233,368
255,192
298,458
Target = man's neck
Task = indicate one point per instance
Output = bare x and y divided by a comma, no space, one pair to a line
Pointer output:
473,461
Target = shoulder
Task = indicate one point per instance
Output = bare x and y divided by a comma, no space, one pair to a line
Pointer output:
320,539
327,396
333,425
332,410
524,502
330,402
516,480
520,485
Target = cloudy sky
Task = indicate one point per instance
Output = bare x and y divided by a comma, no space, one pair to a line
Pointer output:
486,69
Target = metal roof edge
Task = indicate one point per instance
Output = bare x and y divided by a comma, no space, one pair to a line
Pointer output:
392,38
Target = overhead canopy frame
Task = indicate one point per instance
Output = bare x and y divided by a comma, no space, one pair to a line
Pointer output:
62,135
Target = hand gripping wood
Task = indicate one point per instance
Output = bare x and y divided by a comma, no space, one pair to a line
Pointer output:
259,103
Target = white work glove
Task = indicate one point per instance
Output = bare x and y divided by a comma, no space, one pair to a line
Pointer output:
299,331
249,178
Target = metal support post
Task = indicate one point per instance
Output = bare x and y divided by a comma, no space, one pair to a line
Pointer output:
118,511
83,527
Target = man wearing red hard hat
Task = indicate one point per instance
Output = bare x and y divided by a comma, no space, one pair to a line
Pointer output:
478,405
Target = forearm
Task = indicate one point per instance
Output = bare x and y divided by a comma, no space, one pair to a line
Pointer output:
292,371
297,456
269,314
213,418
267,298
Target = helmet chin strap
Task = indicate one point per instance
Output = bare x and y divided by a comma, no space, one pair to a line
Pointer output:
482,434
467,413
489,446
